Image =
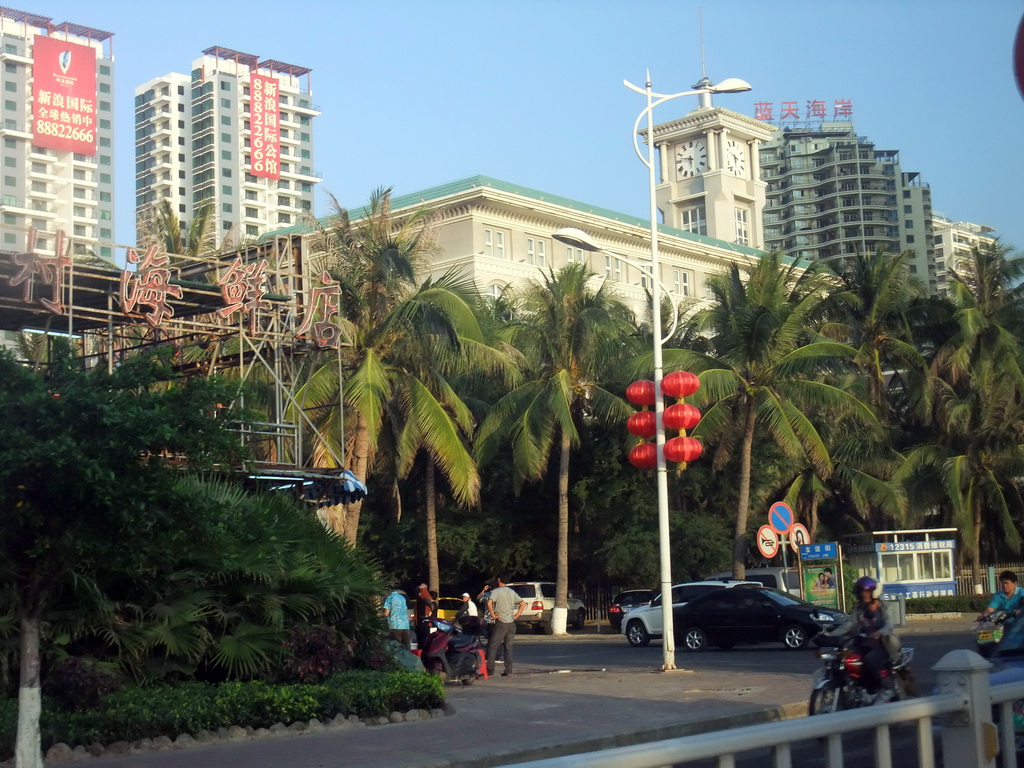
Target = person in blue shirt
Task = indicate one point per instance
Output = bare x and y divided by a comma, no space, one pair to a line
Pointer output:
396,611
1010,599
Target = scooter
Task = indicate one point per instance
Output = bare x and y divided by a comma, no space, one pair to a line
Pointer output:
451,653
988,632
839,684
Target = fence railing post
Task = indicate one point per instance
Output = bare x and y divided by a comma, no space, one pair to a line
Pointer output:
968,737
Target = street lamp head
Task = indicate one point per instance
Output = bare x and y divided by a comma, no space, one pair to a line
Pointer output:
731,85
577,238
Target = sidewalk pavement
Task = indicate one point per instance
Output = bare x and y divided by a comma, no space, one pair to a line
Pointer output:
537,713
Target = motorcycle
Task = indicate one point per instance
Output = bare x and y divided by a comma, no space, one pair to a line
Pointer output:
988,632
840,683
451,653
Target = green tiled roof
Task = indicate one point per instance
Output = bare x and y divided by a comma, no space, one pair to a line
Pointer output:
426,196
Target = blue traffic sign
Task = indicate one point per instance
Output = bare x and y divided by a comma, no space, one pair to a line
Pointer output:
780,517
827,551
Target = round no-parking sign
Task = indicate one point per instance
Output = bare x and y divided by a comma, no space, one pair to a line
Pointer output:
767,541
780,517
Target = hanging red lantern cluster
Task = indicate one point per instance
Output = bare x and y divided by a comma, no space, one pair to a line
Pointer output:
679,416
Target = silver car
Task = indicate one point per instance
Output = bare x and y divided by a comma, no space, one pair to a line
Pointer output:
540,602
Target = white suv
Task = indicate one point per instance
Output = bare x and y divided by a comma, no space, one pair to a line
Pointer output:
540,602
644,623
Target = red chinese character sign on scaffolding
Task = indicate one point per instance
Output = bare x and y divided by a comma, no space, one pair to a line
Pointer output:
149,286
63,95
243,288
48,270
323,303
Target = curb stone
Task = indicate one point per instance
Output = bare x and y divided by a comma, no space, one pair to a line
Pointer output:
63,753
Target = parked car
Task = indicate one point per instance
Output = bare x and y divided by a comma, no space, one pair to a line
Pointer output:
540,602
750,614
785,579
626,601
645,623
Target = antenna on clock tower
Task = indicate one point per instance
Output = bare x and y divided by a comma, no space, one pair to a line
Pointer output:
703,99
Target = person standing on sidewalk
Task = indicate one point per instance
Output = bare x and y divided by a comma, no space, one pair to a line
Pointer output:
505,606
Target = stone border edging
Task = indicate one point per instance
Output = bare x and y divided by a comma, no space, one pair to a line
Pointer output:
61,753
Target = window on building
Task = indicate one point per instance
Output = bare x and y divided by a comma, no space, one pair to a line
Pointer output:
10,181
284,218
10,86
694,220
910,238
226,225
104,87
908,224
908,209
227,190
226,138
742,227
104,106
105,234
10,106
252,213
225,120
252,229
225,85
573,255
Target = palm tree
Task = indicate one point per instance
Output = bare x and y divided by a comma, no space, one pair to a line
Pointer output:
975,457
401,342
871,309
198,239
764,370
568,333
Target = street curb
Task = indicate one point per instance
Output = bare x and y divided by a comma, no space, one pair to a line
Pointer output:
722,723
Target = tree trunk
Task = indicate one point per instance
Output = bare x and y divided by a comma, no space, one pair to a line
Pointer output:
560,614
27,749
739,544
360,467
812,524
433,572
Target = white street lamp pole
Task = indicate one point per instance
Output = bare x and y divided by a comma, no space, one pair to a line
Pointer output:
731,85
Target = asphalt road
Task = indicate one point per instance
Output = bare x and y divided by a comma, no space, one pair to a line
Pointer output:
613,653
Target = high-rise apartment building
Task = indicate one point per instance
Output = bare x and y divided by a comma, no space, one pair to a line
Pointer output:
953,243
56,135
237,134
832,193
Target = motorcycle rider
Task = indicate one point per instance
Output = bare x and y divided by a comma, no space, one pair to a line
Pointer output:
1011,600
878,643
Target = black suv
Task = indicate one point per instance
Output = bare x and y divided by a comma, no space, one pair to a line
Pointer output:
626,601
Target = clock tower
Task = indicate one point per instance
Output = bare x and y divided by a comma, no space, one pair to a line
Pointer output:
709,174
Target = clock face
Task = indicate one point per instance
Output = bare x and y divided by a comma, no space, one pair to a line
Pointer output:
691,158
735,158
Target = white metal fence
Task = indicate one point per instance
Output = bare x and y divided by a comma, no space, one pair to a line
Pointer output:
960,716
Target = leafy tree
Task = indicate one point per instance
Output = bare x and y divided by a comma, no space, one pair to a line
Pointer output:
569,335
763,370
83,485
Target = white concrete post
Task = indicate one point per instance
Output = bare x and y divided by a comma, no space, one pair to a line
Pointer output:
967,736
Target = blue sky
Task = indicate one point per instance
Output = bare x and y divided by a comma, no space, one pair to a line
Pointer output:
416,94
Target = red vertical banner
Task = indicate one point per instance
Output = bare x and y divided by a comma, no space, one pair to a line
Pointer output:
265,130
63,95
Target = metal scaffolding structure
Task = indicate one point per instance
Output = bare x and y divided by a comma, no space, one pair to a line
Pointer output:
255,314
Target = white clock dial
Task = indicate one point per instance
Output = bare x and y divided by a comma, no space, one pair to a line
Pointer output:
691,158
735,158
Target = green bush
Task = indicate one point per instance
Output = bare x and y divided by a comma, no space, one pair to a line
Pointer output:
949,604
138,713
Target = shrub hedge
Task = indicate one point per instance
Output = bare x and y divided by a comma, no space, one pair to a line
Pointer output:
949,604
164,710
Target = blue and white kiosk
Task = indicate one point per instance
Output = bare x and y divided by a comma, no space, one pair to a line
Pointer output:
912,563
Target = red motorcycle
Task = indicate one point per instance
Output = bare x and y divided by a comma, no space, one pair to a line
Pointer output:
451,653
841,681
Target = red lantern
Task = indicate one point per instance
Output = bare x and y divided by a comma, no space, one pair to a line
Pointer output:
642,424
644,456
640,393
683,449
681,416
680,384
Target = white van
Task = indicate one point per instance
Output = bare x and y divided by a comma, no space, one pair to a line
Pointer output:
784,579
